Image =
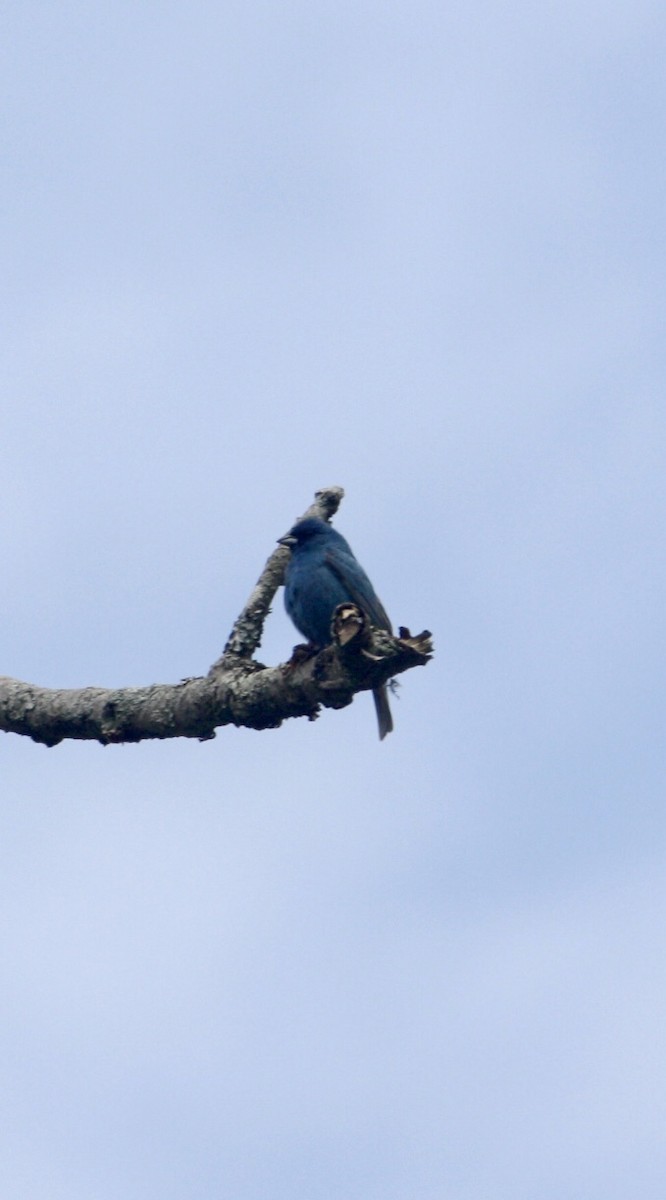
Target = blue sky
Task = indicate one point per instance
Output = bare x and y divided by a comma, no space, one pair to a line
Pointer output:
250,251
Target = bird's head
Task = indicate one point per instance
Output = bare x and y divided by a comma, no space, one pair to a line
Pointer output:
304,531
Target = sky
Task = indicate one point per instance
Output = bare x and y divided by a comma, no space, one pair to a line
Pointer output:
415,250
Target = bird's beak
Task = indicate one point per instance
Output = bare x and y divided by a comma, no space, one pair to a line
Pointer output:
287,540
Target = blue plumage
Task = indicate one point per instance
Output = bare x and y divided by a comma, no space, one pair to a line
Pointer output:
321,574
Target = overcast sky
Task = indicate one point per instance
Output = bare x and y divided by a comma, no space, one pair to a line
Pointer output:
250,250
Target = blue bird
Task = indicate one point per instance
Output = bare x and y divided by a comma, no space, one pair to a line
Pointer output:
322,573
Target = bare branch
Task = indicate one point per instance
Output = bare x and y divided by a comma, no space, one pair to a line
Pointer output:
237,690
245,694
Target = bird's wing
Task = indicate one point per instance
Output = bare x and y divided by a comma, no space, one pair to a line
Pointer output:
356,583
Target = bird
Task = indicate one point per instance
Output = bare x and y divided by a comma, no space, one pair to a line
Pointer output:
322,573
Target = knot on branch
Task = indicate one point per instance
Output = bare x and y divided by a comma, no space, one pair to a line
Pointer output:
359,643
360,657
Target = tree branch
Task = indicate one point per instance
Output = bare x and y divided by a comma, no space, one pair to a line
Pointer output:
237,690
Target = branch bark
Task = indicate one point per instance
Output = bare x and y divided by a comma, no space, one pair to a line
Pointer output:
237,690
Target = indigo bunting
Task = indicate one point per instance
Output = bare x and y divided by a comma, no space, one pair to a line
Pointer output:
321,574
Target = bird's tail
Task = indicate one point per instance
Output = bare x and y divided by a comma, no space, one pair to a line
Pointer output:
384,718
